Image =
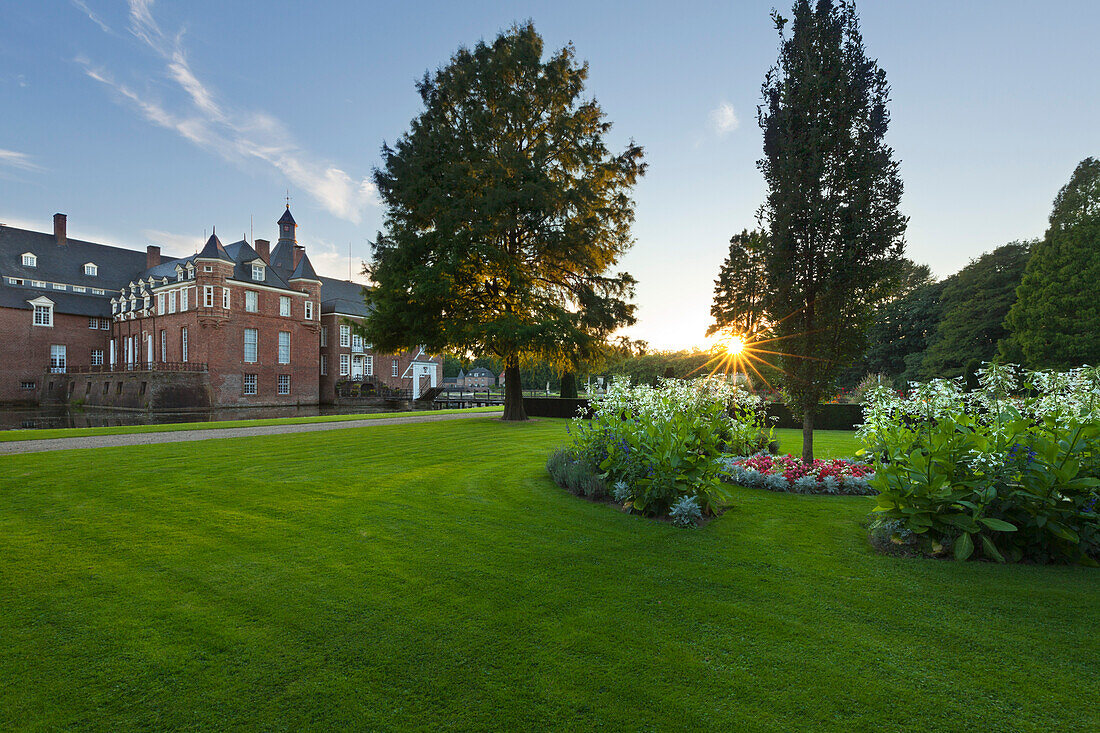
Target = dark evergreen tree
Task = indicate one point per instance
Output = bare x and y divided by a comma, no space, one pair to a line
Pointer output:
900,334
975,302
505,212
1055,321
739,291
835,235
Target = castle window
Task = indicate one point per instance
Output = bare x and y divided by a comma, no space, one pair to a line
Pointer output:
93,323
324,365
324,335
183,299
97,291
393,369
250,301
37,284
163,345
258,272
97,358
160,304
309,310
91,269
172,302
370,366
345,365
57,358
345,336
79,289
104,324
284,347
208,296
207,268
250,384
284,384
251,345
284,305
43,315
225,298
27,385
29,260
356,342
58,286
183,344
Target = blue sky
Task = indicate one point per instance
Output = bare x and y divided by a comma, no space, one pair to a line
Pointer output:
151,122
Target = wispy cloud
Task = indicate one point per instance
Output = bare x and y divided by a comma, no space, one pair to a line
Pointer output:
236,135
174,245
329,261
83,7
723,119
14,159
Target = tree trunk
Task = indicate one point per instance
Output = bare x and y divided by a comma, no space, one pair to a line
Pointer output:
513,391
808,435
568,385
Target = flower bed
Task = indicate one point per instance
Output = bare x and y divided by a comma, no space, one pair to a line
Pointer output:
787,473
1009,471
656,450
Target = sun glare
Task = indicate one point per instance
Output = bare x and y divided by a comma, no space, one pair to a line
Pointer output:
734,345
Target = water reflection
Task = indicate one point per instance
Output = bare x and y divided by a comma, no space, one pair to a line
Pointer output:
14,418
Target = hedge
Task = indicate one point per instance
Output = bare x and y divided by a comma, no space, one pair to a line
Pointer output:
827,417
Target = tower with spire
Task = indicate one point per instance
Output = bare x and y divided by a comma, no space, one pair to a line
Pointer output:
283,254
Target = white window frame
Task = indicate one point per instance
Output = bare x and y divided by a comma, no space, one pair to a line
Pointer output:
369,367
161,308
43,314
59,357
357,343
309,310
183,299
324,335
258,272
172,301
91,269
29,259
93,323
284,305
394,371
345,365
251,301
284,379
345,335
97,357
255,345
163,345
183,344
284,348
208,296
324,365
249,384
225,298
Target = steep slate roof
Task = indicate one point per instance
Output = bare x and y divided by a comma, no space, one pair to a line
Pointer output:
65,264
304,270
480,372
341,296
287,217
79,304
243,255
213,250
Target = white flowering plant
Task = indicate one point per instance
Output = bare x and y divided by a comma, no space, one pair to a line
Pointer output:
657,444
1009,471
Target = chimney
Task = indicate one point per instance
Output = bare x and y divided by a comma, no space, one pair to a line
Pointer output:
299,250
59,227
263,249
152,256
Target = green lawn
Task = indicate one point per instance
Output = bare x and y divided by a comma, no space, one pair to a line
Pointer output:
431,576
45,433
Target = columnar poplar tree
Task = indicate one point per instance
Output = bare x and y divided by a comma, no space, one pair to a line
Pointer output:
741,288
834,230
505,212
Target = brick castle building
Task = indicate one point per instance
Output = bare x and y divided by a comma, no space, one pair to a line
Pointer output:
232,325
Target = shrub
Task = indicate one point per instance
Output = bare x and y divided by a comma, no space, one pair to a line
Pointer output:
664,442
685,512
1009,471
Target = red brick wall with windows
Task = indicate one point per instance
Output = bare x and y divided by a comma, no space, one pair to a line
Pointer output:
25,348
383,363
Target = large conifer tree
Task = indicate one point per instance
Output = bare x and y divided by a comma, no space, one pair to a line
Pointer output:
505,212
1055,321
834,230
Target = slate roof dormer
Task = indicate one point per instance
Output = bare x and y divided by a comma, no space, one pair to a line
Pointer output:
214,250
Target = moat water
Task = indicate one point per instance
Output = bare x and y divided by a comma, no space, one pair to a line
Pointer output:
15,418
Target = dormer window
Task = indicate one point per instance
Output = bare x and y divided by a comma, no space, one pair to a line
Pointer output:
179,274
91,269
257,272
43,311
30,260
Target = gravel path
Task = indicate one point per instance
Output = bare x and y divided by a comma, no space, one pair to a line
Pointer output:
184,436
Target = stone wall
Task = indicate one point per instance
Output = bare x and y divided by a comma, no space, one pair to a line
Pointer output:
138,390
